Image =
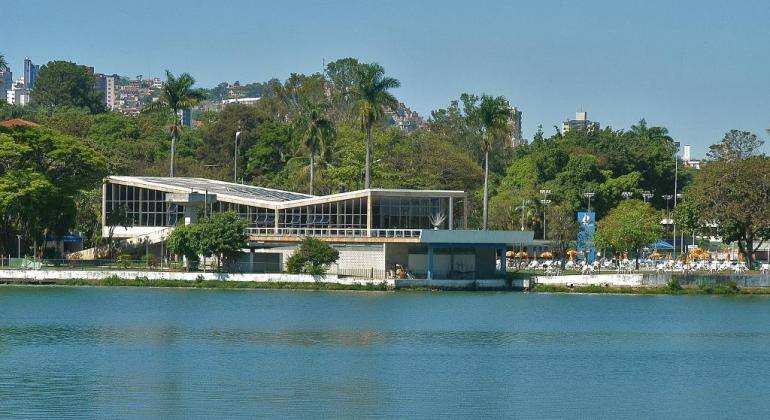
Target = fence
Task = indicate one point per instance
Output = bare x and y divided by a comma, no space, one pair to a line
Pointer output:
337,232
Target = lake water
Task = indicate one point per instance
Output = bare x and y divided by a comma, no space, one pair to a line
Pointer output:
132,352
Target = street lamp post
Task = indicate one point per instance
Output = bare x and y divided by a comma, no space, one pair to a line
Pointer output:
524,205
18,245
545,202
588,195
235,156
647,196
627,194
668,198
676,181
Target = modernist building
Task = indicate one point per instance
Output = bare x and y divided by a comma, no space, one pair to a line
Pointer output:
375,230
581,122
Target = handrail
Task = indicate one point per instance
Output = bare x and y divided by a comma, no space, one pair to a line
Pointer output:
336,232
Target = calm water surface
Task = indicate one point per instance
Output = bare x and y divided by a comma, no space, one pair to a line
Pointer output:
131,352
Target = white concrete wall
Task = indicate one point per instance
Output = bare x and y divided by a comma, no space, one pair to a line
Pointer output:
351,256
611,279
451,284
58,275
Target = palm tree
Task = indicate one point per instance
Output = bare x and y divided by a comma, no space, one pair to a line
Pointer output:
370,96
317,133
492,115
177,94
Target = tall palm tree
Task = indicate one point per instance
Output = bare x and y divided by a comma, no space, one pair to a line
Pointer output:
317,133
177,94
370,97
492,115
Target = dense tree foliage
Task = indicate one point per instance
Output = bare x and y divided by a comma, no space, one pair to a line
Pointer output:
734,196
62,83
630,226
41,171
221,235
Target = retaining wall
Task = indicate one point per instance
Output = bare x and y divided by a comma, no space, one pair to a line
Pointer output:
43,276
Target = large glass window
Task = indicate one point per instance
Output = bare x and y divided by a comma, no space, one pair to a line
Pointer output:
143,206
257,217
345,214
410,212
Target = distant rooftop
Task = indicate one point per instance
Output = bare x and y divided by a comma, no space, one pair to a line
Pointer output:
18,122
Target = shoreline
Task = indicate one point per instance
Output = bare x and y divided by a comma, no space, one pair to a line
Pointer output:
703,290
711,289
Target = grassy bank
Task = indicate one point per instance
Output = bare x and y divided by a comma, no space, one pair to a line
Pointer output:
673,288
217,284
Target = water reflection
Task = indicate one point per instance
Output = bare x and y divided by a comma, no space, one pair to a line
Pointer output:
153,353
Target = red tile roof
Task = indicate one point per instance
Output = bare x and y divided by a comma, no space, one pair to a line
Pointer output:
16,122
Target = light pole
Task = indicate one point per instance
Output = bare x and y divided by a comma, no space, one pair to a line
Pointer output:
588,195
524,205
18,247
647,196
627,194
668,198
235,156
545,202
676,180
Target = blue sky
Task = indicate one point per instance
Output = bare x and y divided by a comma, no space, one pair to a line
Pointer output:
699,68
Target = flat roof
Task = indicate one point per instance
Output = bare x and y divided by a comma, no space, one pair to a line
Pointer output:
261,196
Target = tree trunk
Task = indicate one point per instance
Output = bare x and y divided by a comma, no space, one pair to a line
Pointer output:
486,187
749,251
173,151
312,169
367,176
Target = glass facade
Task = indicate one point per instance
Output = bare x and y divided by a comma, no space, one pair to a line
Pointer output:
257,217
145,207
343,214
410,212
391,215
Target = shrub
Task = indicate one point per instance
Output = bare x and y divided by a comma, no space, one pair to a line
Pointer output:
312,257
674,284
124,260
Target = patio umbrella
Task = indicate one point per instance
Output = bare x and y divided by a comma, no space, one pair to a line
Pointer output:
522,254
546,255
510,254
571,253
655,255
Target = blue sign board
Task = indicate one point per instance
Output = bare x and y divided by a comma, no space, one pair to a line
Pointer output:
585,239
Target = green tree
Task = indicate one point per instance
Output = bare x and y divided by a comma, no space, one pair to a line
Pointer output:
41,171
313,256
630,226
735,144
493,114
177,94
562,228
317,132
735,196
371,97
222,235
185,240
63,83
